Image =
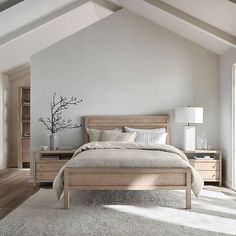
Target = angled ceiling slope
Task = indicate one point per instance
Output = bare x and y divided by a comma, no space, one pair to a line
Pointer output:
51,32
5,4
192,20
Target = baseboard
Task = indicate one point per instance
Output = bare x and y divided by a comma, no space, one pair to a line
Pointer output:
227,183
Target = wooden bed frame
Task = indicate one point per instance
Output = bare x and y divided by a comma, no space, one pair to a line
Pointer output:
127,178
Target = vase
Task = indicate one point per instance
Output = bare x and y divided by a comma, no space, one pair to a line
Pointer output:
53,142
204,142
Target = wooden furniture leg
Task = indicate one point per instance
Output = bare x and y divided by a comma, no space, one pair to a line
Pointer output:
66,189
188,189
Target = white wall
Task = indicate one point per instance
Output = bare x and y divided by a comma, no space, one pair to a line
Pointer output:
226,62
3,120
125,65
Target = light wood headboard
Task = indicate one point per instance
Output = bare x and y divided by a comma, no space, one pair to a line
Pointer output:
141,122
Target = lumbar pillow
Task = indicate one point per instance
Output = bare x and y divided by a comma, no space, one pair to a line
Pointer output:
112,136
150,136
96,134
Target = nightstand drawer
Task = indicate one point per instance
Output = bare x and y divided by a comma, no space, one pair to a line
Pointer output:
205,165
46,175
56,166
209,175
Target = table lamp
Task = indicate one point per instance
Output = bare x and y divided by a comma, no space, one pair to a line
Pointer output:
189,116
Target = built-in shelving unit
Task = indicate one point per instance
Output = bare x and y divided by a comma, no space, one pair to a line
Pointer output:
24,127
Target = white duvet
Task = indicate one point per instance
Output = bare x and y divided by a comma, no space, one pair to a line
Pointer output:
127,155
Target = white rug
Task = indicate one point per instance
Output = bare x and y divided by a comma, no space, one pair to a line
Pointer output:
122,213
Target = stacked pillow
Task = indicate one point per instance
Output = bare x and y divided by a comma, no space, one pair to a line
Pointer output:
110,135
150,136
115,136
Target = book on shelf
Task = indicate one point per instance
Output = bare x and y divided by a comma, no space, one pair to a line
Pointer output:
66,157
204,158
50,157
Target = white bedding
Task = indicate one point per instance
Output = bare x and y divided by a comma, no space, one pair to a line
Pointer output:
115,154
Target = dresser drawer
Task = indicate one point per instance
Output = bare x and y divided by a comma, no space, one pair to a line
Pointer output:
209,175
52,166
46,175
205,165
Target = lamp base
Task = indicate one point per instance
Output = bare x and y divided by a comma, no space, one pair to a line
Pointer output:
189,138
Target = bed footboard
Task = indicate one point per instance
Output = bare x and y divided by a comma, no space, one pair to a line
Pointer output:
127,179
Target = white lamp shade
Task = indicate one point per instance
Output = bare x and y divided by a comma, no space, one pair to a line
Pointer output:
189,115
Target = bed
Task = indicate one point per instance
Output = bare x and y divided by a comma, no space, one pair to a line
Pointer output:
99,178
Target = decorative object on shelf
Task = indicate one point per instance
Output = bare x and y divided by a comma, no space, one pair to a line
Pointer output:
202,143
53,141
43,148
189,115
56,123
209,147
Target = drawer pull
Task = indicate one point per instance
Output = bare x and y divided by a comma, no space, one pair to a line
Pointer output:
213,167
213,176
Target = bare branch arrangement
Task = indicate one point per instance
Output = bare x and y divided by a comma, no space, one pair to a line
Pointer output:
56,123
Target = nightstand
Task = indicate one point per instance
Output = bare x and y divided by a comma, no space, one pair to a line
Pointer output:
46,164
209,169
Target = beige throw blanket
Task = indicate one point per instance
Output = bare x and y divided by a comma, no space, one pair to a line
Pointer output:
127,155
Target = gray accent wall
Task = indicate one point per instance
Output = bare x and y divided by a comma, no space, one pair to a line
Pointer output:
125,65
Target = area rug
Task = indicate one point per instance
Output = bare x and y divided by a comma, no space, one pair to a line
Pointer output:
122,213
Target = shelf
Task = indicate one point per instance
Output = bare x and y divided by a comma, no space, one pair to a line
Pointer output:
58,152
25,121
26,104
201,151
52,161
203,160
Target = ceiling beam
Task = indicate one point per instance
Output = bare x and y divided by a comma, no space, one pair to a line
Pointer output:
233,1
42,20
108,4
230,39
8,3
34,24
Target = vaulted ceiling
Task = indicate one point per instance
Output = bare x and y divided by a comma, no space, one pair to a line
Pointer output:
208,23
5,4
30,32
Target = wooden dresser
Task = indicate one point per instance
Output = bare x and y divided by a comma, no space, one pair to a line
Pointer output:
209,169
46,164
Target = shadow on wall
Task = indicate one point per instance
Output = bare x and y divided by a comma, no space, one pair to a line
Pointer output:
4,87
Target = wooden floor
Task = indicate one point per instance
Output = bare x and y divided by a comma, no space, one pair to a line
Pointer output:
15,188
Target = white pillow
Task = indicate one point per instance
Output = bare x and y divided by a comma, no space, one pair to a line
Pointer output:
158,130
96,134
114,136
150,136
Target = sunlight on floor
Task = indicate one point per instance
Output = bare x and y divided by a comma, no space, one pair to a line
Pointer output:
215,215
